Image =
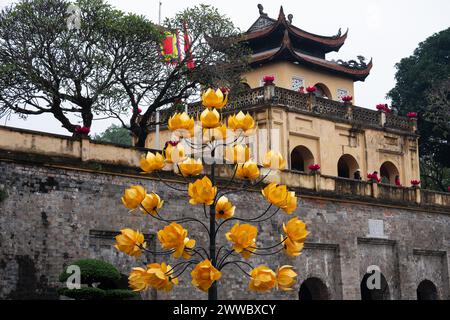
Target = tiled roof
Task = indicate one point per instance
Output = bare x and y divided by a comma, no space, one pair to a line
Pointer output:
285,51
265,26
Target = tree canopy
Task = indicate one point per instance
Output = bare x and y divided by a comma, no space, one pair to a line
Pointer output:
148,83
423,86
48,68
110,66
115,134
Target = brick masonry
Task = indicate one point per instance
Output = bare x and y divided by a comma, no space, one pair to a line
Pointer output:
53,216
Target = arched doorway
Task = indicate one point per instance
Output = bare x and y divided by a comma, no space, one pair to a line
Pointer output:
313,289
427,291
347,165
381,293
388,172
301,158
322,91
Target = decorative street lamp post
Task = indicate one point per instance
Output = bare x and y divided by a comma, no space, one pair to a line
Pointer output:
222,145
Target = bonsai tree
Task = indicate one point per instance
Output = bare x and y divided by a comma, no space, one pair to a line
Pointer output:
99,280
219,145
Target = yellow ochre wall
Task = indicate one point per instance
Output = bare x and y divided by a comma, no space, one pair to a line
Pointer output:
285,71
328,141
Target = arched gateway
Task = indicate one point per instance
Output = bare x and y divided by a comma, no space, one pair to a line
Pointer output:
313,289
368,292
427,291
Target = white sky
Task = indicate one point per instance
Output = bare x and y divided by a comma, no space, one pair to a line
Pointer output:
386,30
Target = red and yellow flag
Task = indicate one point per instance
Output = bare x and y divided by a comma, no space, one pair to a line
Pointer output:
170,47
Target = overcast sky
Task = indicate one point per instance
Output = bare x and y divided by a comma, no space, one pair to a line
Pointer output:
386,30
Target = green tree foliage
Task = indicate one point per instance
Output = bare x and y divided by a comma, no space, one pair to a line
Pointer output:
48,68
111,66
423,85
115,134
148,83
434,175
86,293
106,278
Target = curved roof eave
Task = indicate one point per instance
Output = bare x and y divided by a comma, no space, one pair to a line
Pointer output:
332,43
287,49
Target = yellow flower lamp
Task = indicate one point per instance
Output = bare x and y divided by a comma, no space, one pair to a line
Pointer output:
214,206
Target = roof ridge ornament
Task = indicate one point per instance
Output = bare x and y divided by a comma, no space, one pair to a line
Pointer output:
353,64
290,17
261,10
281,14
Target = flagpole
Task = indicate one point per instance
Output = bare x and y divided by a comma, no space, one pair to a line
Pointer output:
157,144
159,15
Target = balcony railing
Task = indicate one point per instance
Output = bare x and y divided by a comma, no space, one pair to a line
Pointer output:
361,190
305,103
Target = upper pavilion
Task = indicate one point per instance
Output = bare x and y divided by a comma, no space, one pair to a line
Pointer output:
297,58
314,128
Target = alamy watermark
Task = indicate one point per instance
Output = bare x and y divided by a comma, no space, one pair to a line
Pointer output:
74,280
373,281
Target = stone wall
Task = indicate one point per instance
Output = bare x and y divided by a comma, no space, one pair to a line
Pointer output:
53,216
61,207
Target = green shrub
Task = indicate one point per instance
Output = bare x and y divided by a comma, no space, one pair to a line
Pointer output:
95,271
111,284
120,294
87,293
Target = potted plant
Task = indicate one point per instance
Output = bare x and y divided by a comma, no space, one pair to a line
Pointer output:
383,107
373,177
415,183
311,89
347,99
314,168
268,80
412,115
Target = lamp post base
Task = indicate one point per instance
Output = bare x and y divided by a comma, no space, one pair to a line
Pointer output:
212,292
